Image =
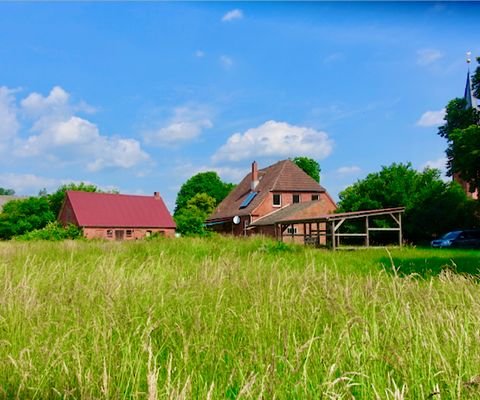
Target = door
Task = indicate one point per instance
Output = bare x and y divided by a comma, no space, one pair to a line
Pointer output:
119,234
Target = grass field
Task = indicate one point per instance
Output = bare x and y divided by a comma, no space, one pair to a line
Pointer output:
224,318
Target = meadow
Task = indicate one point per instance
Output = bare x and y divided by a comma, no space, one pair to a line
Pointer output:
224,318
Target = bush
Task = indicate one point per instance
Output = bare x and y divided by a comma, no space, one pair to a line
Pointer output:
53,232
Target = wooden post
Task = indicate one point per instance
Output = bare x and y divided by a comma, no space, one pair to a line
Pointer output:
400,238
281,232
332,228
367,228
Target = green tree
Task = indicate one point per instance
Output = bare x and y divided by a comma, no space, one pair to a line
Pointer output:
461,129
476,80
463,155
55,200
203,182
190,219
21,216
432,206
6,192
310,166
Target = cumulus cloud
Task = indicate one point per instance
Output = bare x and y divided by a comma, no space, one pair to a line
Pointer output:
428,56
232,15
61,135
432,118
27,183
8,116
440,163
226,62
275,139
186,124
348,170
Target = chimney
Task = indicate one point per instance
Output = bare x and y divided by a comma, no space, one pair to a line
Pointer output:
254,181
156,195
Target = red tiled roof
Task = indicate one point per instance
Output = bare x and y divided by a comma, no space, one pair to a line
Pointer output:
119,210
283,176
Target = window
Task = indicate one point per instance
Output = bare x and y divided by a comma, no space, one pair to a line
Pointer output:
248,199
277,200
291,230
314,197
148,233
109,233
129,233
296,198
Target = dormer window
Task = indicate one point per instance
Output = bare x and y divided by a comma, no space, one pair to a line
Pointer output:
296,198
277,200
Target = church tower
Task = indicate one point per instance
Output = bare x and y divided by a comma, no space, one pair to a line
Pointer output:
472,102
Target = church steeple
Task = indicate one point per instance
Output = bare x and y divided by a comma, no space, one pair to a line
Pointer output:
468,95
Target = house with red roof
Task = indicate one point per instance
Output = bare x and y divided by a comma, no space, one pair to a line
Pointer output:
265,196
117,216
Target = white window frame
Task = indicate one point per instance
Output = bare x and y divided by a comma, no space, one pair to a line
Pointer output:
273,200
291,229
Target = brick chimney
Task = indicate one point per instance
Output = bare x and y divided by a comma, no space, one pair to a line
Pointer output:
254,181
156,195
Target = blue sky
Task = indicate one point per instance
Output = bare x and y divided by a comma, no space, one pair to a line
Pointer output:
141,96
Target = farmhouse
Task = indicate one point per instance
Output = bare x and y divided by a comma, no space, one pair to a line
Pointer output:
117,216
266,196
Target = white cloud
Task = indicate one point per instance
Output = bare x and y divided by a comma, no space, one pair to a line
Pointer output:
35,104
226,173
199,54
27,183
117,152
348,170
432,118
428,56
227,62
186,124
62,136
275,139
440,164
8,117
232,15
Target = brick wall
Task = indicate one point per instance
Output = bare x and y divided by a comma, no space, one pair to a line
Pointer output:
122,234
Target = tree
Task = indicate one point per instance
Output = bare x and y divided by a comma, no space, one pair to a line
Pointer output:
464,155
476,80
6,192
190,219
310,166
203,182
461,129
432,206
55,200
21,216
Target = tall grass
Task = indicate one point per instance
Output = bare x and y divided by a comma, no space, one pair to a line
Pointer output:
225,318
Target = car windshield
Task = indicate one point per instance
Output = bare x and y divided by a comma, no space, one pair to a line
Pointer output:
451,235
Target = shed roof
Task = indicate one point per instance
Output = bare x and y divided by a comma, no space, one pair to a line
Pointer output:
283,176
119,210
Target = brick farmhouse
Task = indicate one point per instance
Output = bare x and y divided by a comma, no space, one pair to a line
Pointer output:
116,216
281,191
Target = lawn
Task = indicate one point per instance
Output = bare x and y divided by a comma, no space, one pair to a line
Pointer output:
229,318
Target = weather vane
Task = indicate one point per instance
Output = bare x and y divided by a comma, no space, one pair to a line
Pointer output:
469,54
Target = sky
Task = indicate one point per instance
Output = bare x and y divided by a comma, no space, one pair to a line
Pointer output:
138,97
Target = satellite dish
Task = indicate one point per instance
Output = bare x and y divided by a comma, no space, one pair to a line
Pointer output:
236,219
